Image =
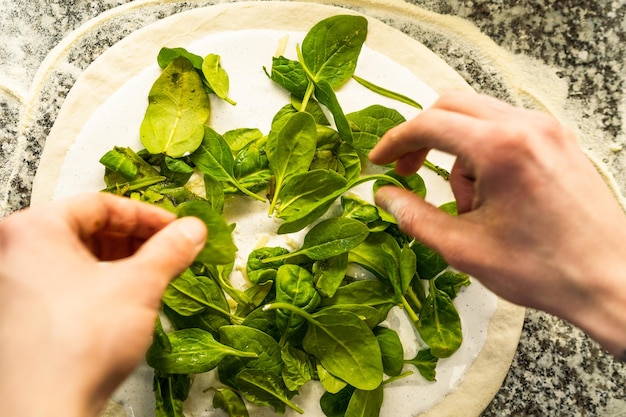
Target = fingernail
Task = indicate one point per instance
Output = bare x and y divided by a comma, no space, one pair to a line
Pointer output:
193,229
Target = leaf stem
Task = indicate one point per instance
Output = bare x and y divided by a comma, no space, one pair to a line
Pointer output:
307,71
411,295
277,186
442,172
310,88
397,377
135,185
407,307
247,192
290,307
387,93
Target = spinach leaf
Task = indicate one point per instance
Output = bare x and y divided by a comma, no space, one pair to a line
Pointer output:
256,295
208,320
368,314
329,273
176,170
350,162
330,382
371,292
291,150
294,285
298,369
346,347
451,282
289,74
343,344
263,320
193,351
370,124
177,109
263,387
215,158
306,197
250,340
328,238
426,364
238,139
214,193
429,262
380,254
331,48
259,271
366,213
312,107
215,76
118,171
439,324
408,266
170,391
450,208
391,349
326,95
219,247
414,183
252,167
167,55
336,404
229,401
189,295
119,163
365,403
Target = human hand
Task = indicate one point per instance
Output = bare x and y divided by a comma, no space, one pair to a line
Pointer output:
537,224
73,327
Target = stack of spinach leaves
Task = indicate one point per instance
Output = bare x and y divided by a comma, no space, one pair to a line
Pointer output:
303,317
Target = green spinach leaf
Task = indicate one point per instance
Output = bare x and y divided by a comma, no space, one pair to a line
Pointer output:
331,48
426,364
262,387
215,76
193,351
439,324
291,150
178,107
229,401
365,403
219,247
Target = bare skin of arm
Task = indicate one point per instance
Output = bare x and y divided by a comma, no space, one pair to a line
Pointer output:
537,224
73,327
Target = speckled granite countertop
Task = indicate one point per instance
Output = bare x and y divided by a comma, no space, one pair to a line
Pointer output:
557,371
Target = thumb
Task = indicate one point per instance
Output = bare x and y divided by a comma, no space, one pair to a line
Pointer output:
420,219
168,252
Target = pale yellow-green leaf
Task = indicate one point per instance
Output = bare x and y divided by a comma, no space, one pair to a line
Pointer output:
178,107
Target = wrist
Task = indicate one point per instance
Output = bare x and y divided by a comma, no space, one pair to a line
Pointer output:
602,313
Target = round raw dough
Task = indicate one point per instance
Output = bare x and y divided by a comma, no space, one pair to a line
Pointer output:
137,51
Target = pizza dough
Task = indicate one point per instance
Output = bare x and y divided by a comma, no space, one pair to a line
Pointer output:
138,51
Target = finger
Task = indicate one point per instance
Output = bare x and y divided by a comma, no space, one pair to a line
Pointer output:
168,252
462,183
476,105
428,224
88,214
451,132
409,163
